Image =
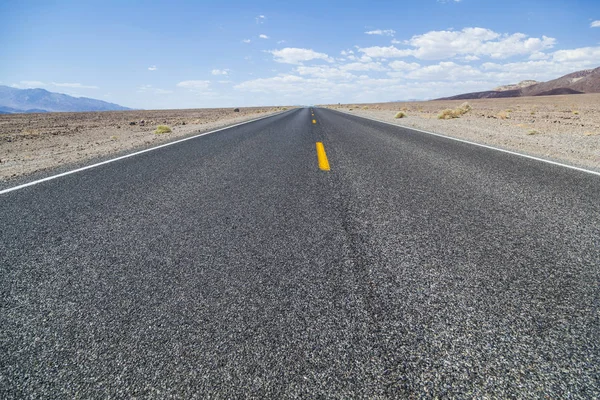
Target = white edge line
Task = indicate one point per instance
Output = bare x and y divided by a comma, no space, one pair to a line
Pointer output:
475,143
49,178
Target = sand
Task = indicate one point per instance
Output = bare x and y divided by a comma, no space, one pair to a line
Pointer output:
560,128
31,143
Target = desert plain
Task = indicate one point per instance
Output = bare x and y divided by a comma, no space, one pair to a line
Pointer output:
42,141
564,128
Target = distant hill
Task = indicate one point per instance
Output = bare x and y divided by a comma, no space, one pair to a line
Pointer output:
586,81
14,100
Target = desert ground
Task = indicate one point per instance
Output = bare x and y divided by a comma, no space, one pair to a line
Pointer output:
561,128
34,142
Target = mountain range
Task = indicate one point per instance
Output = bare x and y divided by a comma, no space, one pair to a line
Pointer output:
586,81
13,100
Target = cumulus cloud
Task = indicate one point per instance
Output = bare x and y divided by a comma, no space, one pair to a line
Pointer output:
194,85
151,89
220,71
382,32
590,54
152,68
595,24
446,71
363,66
263,36
74,85
246,41
403,66
385,52
39,84
293,55
325,72
277,83
439,45
28,84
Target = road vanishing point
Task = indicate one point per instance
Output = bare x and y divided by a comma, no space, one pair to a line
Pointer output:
301,256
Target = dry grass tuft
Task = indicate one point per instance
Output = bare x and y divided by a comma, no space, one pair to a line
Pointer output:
162,129
533,132
455,113
503,115
400,114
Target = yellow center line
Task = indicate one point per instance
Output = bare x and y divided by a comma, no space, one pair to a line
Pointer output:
314,121
322,157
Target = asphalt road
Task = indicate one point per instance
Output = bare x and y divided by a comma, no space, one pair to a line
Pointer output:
231,266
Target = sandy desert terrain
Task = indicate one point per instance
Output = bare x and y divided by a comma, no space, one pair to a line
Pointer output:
562,128
35,142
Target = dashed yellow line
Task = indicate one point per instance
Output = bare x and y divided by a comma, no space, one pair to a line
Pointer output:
322,157
314,121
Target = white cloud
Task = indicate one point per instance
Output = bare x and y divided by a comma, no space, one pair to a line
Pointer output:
293,55
595,24
396,41
194,85
263,36
74,85
436,45
325,72
588,54
152,68
439,45
447,71
280,83
366,66
403,66
260,19
280,41
246,40
382,32
38,84
28,84
385,52
539,56
151,89
220,71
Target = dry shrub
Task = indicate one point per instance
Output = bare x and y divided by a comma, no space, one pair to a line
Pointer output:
533,132
162,129
455,113
400,115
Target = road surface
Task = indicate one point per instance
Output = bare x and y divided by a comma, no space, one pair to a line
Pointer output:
231,266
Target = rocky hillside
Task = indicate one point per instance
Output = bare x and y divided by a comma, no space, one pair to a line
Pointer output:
586,81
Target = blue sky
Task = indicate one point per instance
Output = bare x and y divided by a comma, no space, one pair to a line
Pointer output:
188,54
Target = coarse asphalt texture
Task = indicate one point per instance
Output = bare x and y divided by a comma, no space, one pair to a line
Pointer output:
230,266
